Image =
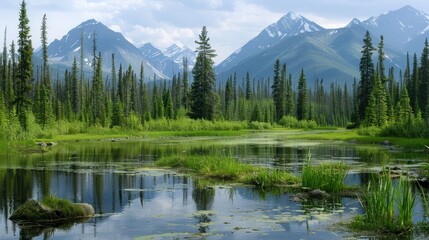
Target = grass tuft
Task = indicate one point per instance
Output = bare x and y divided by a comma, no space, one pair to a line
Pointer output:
328,177
227,168
65,208
387,208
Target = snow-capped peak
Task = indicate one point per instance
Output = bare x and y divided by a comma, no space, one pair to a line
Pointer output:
291,24
293,15
355,21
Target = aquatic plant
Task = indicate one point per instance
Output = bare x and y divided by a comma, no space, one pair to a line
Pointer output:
328,177
381,200
269,178
227,168
222,167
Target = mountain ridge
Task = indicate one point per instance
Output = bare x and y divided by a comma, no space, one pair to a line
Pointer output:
326,51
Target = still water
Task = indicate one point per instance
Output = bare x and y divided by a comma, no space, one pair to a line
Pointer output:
134,201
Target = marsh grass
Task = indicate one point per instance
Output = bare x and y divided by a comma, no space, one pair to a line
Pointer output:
63,207
227,168
387,208
223,167
270,178
328,177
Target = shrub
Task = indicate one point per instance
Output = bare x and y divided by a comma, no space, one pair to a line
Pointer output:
288,121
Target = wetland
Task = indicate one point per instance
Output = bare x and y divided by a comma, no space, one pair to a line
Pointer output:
134,198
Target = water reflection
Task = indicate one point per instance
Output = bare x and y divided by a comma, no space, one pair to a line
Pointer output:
134,201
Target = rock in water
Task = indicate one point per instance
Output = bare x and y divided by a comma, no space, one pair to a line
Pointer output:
36,211
317,193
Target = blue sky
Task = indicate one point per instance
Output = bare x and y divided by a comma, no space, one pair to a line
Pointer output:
231,23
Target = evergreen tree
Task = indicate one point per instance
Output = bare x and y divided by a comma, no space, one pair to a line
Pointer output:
366,68
75,93
256,115
113,91
185,95
97,94
25,69
404,110
276,89
117,114
4,69
424,81
168,103
381,67
248,89
45,113
302,100
203,96
289,97
415,84
228,97
377,106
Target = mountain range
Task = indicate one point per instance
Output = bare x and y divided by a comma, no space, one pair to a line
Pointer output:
329,54
169,61
62,52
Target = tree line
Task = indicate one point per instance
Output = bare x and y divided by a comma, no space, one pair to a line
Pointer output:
31,95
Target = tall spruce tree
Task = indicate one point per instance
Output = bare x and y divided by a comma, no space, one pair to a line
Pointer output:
302,99
277,90
45,113
424,81
366,68
185,95
25,68
248,88
376,112
203,96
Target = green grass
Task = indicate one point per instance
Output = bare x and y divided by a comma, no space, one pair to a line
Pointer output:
328,177
227,168
66,209
387,208
270,178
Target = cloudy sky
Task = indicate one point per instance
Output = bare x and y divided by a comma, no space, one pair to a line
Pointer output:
231,23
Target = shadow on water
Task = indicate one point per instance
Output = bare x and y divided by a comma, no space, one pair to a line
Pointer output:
135,202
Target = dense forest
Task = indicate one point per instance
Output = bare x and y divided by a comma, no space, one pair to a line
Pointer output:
35,102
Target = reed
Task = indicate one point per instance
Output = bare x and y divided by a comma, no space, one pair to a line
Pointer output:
328,177
387,208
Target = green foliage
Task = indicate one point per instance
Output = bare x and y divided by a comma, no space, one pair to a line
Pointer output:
369,131
25,73
270,178
292,122
376,111
223,167
380,202
328,177
65,208
227,168
366,68
302,100
203,96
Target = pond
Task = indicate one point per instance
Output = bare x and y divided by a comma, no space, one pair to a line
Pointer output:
135,201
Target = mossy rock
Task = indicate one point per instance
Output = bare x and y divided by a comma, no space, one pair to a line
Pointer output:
35,211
